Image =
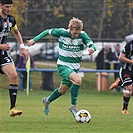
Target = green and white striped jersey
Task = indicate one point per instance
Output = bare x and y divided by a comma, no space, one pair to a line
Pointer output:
70,49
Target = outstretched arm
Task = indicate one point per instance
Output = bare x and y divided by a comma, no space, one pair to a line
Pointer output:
37,38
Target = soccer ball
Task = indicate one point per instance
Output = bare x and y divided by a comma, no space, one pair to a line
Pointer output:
83,116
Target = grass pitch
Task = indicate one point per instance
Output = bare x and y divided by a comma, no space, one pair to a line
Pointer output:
105,108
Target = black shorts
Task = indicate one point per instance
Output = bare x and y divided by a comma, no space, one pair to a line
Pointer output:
126,77
4,60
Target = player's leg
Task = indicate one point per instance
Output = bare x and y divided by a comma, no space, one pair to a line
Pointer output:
126,98
76,80
53,96
126,78
11,73
64,86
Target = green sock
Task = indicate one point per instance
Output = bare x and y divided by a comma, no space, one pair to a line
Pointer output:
74,93
54,95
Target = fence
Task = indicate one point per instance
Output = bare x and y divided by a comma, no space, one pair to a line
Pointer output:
81,70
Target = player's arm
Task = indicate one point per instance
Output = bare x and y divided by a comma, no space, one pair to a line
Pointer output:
37,38
123,58
18,37
54,32
89,43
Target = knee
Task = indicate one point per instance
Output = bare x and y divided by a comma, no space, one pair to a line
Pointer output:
62,91
128,91
129,87
78,81
13,76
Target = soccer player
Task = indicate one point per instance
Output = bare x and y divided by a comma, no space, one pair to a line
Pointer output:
126,75
71,46
6,63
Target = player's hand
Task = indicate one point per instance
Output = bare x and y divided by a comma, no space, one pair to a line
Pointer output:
4,47
24,53
91,50
30,42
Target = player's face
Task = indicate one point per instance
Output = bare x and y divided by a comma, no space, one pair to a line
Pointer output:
75,33
6,9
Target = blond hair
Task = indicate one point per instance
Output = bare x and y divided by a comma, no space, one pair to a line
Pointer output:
75,23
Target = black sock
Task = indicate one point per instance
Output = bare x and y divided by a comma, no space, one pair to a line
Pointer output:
125,102
13,95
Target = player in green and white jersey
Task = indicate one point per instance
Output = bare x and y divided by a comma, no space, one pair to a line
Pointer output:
71,46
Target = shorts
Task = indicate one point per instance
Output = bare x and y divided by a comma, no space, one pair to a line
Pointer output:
4,60
126,77
64,72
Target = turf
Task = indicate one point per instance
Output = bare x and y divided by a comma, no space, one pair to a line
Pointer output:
105,108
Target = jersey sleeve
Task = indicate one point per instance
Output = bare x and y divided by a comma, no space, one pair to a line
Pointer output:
126,49
54,32
13,21
15,27
41,35
87,41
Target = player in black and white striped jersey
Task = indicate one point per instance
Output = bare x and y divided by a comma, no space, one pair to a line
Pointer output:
8,22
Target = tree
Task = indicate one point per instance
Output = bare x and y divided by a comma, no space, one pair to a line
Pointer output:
19,11
101,18
117,23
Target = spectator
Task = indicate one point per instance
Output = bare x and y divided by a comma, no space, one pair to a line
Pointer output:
23,75
103,58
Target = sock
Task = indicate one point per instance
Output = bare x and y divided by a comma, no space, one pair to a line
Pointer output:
125,102
13,95
74,93
54,95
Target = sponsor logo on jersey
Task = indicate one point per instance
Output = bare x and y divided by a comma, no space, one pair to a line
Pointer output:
71,46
